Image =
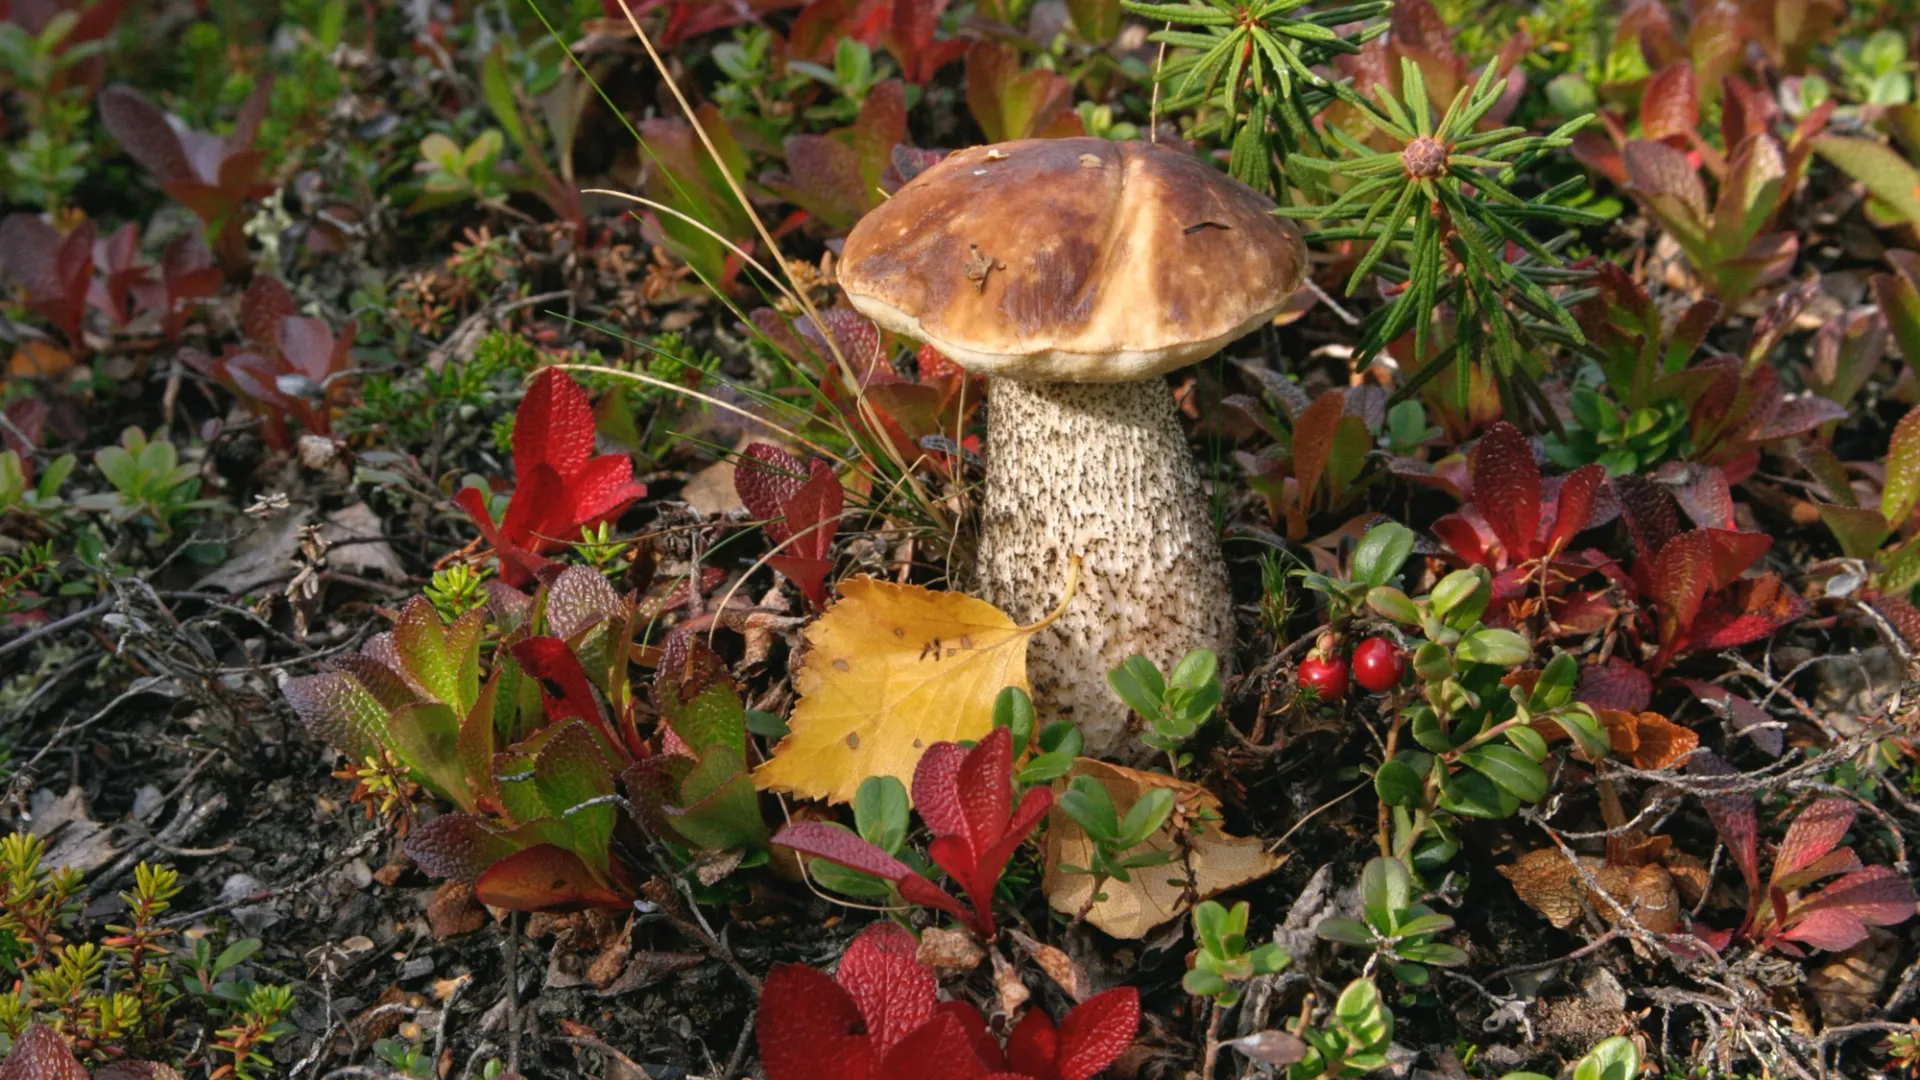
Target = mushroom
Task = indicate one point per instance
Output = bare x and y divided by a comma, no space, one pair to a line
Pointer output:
1075,273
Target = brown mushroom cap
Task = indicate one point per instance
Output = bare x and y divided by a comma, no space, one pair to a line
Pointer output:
1073,260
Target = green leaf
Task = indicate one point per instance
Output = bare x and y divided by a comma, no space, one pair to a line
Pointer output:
426,736
1902,491
1140,685
766,725
1086,801
1471,794
880,812
573,775
1490,645
1145,817
723,808
1514,771
1615,1058
1528,742
1363,1017
1013,710
1430,923
1397,784
1386,890
1382,552
1345,931
1884,173
496,85
1556,684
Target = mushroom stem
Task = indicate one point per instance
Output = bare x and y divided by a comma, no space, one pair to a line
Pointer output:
1101,470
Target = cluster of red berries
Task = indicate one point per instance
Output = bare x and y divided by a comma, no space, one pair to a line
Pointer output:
1377,665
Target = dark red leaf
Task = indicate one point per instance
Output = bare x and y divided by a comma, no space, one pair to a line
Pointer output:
146,133
41,1053
1615,684
1573,508
1877,894
459,847
1652,516
1506,489
263,307
1735,819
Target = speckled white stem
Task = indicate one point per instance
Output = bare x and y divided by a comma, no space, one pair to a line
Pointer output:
1101,470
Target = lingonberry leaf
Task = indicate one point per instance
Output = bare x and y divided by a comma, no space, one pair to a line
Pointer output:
41,1053
966,798
560,486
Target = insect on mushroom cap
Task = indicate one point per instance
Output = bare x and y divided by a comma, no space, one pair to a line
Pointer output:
1073,260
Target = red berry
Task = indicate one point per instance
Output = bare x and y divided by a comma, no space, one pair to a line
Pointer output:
1377,664
1325,679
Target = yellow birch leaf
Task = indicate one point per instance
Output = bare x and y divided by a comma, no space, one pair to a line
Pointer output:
889,671
1156,894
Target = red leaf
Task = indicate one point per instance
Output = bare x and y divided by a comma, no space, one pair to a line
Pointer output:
809,1028
459,847
1670,105
1313,432
1735,819
263,307
1096,1033
1834,929
145,132
1733,553
564,688
1682,574
965,797
837,845
1877,894
1506,489
1653,519
940,1049
1615,684
1573,509
41,1053
1817,830
544,878
881,973
554,425
560,488
975,1025
1033,1044
1701,491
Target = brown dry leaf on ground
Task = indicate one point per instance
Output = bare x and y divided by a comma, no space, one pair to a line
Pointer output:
1647,739
889,671
1157,894
1549,884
